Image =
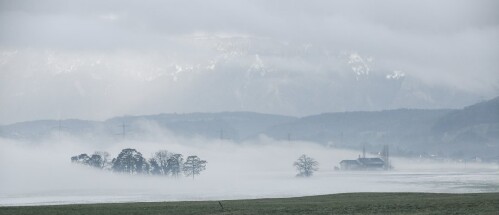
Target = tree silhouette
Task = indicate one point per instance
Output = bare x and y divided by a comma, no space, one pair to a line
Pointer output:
193,166
130,161
306,166
175,165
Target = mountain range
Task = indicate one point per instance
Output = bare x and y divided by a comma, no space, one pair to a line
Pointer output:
470,131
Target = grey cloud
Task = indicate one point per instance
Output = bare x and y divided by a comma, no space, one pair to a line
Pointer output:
136,21
97,59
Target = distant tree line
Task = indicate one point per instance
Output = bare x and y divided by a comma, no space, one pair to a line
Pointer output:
132,162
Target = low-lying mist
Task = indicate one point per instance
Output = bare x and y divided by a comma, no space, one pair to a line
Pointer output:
42,173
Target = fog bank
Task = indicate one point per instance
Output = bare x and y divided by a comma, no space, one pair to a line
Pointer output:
43,174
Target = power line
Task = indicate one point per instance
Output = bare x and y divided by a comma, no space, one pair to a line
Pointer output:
124,129
59,128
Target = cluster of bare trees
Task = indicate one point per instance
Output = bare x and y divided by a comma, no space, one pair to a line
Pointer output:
132,162
166,163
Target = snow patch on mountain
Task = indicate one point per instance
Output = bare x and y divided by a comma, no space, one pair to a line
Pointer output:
359,65
258,66
395,75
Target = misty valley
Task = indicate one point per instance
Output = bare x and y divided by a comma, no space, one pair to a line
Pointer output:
249,107
243,155
258,169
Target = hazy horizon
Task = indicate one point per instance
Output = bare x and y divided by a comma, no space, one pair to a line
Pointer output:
236,111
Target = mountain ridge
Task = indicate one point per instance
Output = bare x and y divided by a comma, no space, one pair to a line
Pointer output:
473,130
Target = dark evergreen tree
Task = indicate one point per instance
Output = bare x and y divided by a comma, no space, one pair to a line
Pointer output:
130,161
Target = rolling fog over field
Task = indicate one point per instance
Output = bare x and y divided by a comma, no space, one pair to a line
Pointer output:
43,174
249,87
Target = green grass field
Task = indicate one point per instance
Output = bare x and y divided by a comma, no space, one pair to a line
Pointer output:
351,203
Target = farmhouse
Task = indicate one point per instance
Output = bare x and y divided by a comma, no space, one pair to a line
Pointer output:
363,164
350,165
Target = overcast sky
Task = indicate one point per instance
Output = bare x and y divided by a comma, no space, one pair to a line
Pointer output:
99,59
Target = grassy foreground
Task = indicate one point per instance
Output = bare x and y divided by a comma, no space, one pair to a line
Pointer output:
350,203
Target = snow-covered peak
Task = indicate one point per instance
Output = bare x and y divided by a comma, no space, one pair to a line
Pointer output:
395,75
258,66
359,65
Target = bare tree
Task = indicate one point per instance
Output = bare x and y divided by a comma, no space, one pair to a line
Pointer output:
159,162
155,169
174,164
306,166
193,166
104,158
96,161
